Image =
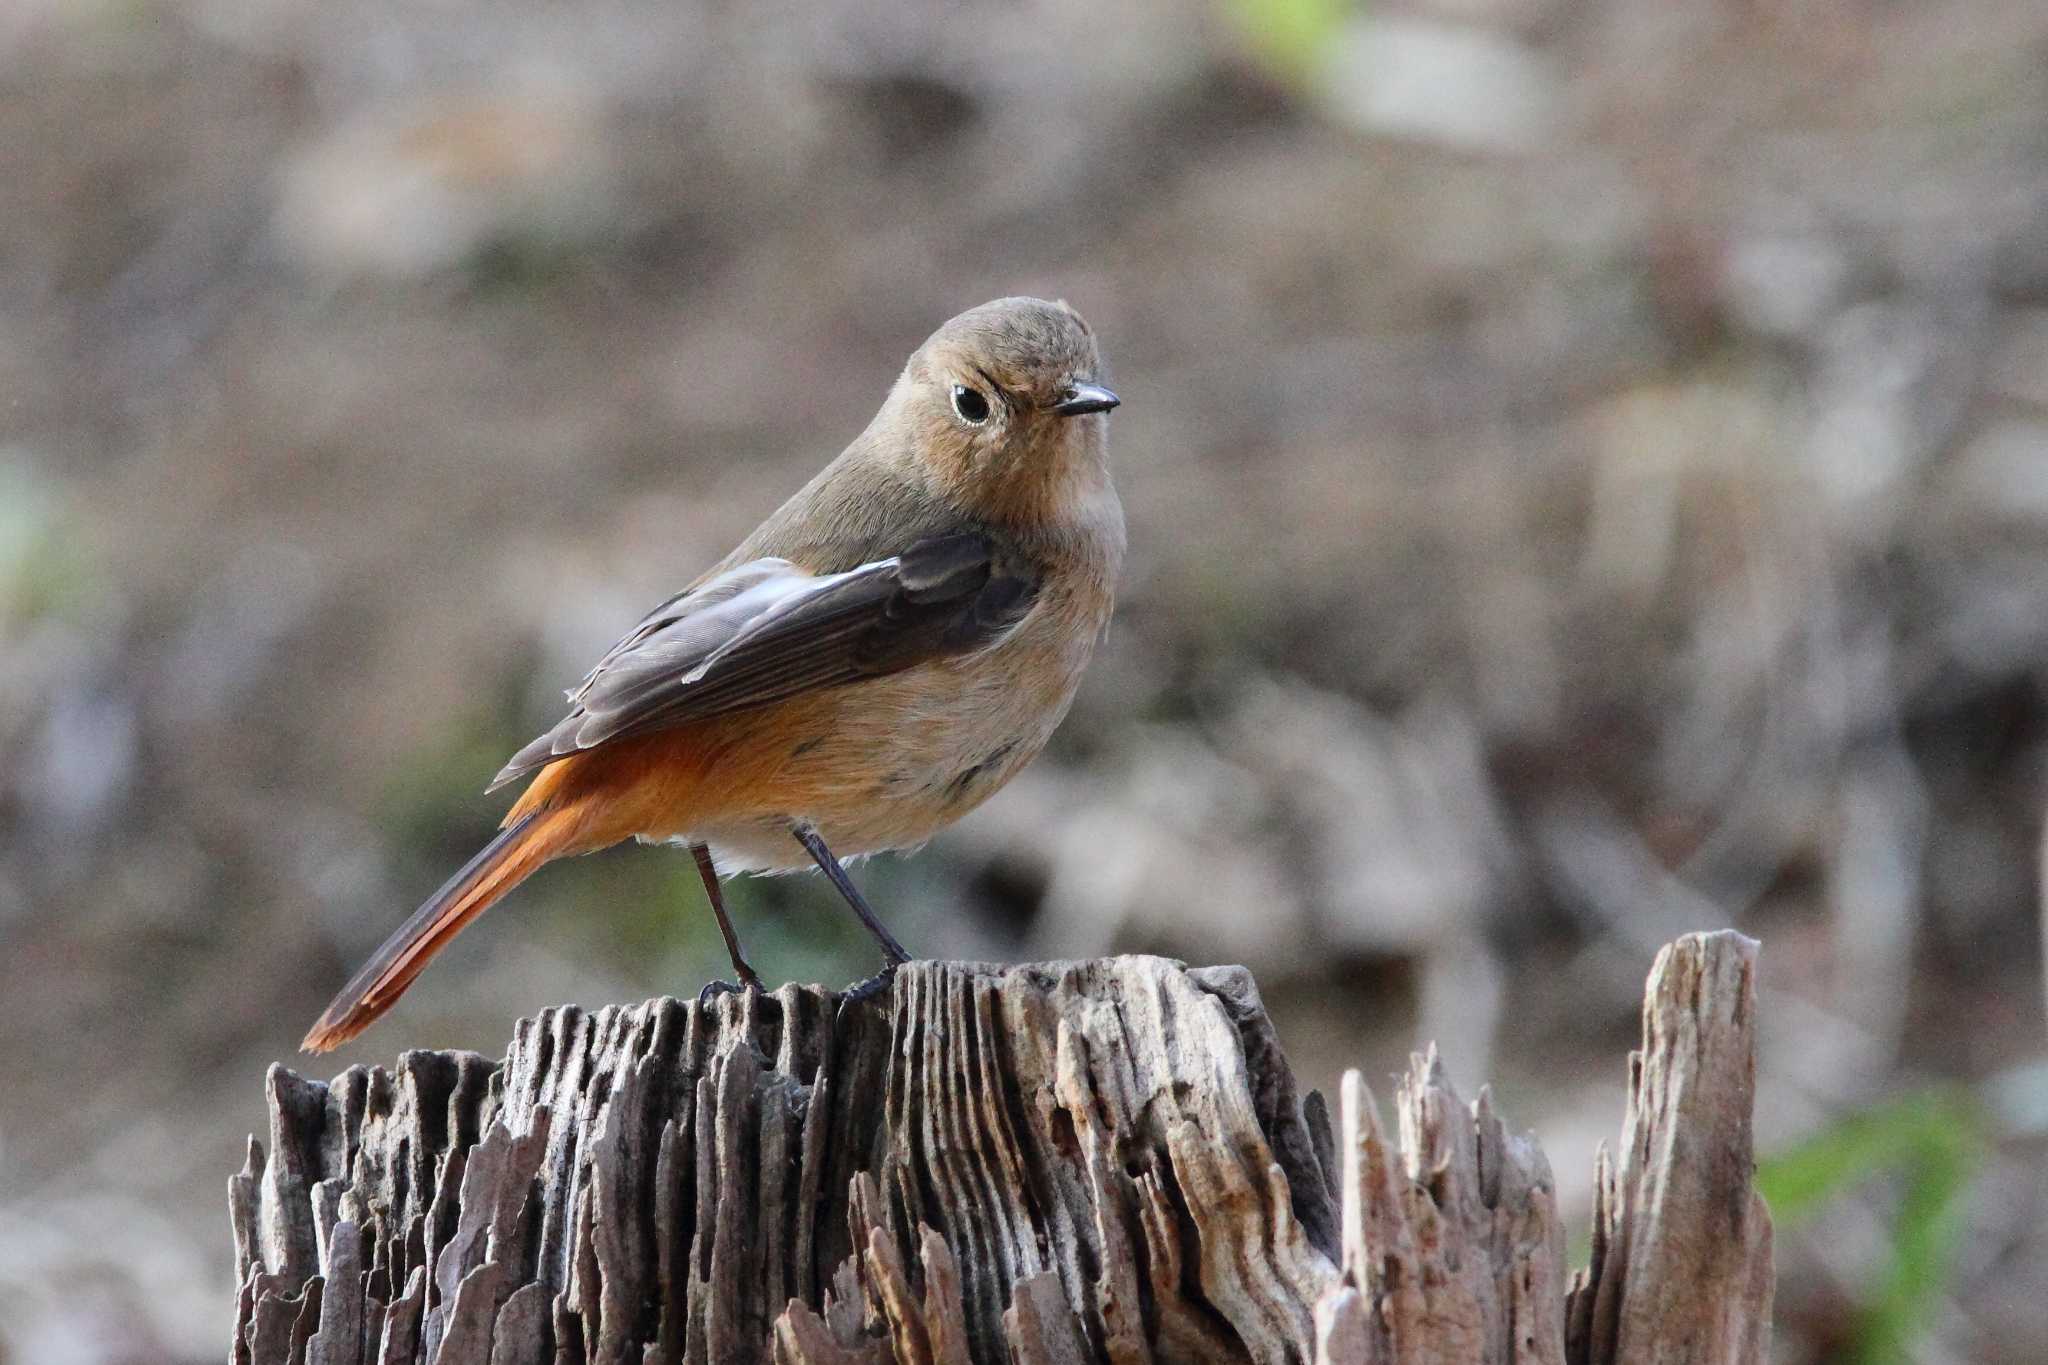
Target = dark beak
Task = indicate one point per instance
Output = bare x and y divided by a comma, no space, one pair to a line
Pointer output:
1085,398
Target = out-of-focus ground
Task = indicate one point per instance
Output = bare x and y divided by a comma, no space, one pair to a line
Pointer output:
1587,468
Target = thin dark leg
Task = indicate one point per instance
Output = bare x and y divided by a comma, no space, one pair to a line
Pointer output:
740,968
836,874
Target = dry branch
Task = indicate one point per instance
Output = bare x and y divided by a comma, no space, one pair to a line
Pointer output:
1053,1163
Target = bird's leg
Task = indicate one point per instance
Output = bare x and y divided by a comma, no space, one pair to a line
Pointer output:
836,874
748,979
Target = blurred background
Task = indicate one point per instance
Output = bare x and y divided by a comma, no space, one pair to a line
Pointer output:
1587,466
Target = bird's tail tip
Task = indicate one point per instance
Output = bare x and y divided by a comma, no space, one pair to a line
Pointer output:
500,865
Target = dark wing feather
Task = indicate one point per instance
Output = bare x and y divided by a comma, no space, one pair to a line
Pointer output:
766,630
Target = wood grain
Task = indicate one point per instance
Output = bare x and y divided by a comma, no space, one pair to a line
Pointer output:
1053,1163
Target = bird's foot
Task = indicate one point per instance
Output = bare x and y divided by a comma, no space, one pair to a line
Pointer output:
870,988
749,985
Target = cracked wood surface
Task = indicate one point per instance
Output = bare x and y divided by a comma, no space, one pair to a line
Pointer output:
1061,1162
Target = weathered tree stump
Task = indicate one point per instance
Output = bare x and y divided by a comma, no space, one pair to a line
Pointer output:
1060,1162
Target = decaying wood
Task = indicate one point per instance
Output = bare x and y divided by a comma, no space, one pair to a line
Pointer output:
1679,1211
1055,1163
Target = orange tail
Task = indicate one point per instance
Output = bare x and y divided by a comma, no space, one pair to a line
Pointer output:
530,840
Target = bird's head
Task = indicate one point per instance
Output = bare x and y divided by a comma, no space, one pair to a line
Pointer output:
1004,407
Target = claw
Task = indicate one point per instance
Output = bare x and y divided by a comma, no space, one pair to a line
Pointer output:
870,988
749,985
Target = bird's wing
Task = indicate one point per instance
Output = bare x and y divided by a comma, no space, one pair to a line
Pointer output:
767,630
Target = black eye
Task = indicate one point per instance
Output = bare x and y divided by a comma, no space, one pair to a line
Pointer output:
971,404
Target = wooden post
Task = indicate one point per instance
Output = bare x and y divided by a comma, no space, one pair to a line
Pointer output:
1059,1162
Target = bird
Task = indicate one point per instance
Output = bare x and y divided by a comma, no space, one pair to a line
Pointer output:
875,660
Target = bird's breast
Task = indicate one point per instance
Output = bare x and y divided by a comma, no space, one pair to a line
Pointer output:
889,762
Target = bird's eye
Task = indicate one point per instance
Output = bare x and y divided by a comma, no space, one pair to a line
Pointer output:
971,404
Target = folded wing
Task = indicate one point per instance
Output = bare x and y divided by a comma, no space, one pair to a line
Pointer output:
767,630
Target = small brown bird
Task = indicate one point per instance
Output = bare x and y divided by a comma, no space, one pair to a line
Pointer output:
880,656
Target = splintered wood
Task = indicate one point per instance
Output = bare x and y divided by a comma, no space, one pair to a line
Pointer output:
1045,1164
